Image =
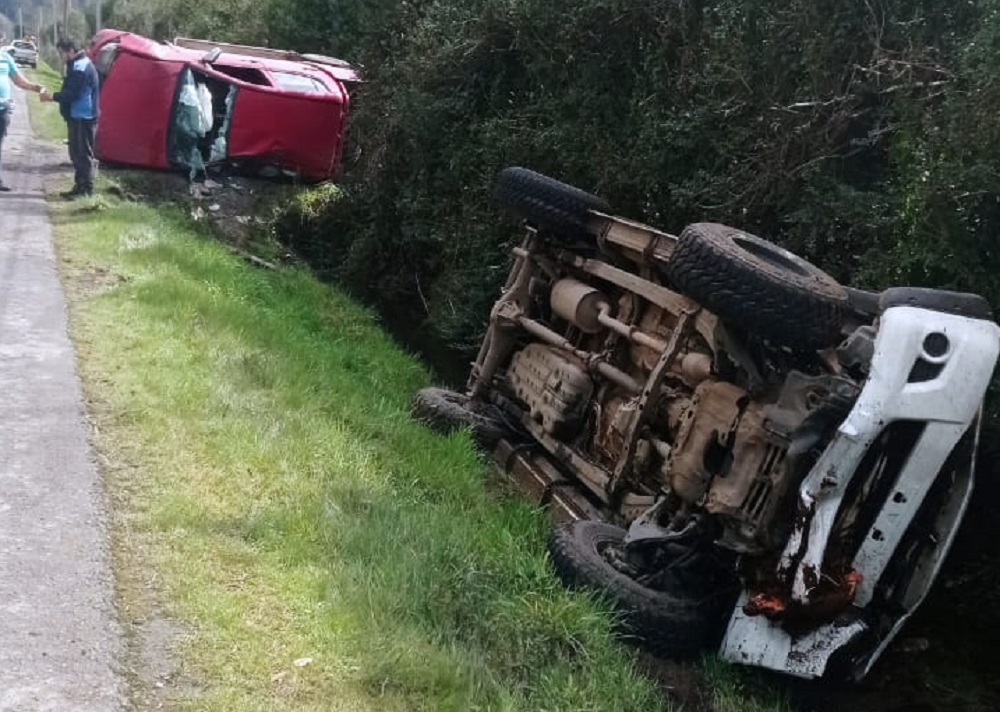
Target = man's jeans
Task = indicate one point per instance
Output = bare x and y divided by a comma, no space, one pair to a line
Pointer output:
81,152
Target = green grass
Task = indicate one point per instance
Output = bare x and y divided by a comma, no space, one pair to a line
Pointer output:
45,118
273,497
736,689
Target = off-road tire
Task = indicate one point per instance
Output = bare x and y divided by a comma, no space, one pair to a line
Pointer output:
546,203
678,623
445,411
757,286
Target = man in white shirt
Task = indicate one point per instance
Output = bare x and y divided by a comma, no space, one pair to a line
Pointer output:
10,73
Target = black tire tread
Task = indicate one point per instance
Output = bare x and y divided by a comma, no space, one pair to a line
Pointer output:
666,624
547,203
445,411
785,309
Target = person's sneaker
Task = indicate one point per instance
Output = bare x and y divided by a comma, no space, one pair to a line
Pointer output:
77,192
4,188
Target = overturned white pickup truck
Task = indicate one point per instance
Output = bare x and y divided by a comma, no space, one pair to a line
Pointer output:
746,455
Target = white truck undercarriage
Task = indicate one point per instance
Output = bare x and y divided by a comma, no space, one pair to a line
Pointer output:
748,455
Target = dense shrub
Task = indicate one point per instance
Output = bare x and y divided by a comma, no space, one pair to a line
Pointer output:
826,126
862,135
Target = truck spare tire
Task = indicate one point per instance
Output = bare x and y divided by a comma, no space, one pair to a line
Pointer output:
757,286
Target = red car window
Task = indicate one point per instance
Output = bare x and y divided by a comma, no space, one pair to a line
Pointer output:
299,82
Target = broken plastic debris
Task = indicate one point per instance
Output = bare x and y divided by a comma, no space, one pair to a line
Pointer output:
302,662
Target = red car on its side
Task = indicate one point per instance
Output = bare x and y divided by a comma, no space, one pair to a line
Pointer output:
191,103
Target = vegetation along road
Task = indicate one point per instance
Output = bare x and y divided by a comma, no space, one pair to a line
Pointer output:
284,537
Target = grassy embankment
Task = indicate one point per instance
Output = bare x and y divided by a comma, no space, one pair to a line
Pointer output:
264,468
312,547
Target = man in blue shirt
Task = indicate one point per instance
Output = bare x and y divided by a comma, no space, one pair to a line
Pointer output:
78,105
9,74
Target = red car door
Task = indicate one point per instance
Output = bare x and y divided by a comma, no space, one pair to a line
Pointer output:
298,131
136,99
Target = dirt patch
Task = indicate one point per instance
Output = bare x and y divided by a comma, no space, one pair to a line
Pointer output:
236,208
156,677
681,683
94,281
924,671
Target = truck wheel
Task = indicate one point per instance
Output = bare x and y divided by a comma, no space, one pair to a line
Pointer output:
676,623
758,286
546,203
445,411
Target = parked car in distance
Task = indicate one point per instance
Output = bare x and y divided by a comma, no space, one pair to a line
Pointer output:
24,52
189,104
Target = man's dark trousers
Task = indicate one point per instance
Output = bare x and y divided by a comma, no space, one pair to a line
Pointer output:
5,112
82,133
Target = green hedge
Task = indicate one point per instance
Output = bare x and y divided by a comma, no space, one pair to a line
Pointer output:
853,136
861,135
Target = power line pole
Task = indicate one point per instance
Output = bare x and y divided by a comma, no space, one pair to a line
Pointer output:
65,18
97,23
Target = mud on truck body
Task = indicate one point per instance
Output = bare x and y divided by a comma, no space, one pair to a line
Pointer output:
743,454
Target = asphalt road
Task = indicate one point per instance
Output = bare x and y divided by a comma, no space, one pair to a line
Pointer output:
60,642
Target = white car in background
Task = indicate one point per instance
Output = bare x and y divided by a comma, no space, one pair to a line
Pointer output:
23,52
